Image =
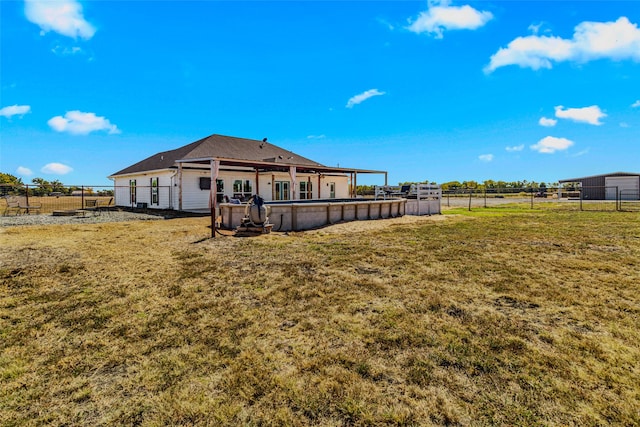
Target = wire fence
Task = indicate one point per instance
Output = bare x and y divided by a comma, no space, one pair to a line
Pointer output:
30,199
37,199
600,199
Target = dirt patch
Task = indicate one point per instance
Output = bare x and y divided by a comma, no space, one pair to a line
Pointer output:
375,224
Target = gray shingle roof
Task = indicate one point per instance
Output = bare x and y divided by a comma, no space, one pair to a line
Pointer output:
220,146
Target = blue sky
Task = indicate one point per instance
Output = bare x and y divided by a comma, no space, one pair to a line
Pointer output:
439,91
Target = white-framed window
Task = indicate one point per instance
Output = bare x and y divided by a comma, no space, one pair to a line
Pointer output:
306,190
205,184
132,191
155,196
219,190
332,190
242,189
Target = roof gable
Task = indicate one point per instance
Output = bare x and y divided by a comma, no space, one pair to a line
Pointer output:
220,146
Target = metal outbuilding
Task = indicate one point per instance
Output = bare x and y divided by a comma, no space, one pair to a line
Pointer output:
611,186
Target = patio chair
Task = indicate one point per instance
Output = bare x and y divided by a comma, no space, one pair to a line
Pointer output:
12,205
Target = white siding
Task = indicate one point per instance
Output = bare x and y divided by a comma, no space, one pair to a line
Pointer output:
193,198
166,190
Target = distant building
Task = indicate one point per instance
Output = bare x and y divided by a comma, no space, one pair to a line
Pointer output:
611,186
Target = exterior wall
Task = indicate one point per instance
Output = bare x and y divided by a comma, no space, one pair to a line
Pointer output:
166,192
267,185
304,216
194,198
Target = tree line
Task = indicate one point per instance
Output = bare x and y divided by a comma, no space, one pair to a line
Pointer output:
10,184
488,186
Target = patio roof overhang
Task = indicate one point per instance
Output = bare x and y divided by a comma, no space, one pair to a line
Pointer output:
264,166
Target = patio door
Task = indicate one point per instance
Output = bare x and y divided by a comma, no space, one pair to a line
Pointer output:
281,190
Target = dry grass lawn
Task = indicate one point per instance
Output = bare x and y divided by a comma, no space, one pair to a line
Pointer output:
528,318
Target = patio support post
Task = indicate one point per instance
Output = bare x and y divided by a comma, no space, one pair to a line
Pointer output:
215,166
319,186
355,185
257,182
292,173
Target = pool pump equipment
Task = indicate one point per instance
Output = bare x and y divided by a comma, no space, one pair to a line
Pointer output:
256,217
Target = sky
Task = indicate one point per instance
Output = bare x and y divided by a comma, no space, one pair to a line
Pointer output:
439,91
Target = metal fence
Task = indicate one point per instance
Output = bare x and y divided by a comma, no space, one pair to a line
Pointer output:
601,199
35,199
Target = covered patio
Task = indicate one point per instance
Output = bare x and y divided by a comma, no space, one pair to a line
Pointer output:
260,169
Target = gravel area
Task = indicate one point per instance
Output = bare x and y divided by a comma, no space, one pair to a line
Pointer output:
46,219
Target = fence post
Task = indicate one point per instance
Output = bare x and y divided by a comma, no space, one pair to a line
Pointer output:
448,199
470,194
531,190
27,196
580,193
485,197
618,199
82,197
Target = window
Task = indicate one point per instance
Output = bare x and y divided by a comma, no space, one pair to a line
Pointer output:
205,184
306,190
219,190
332,190
242,189
281,190
132,191
155,197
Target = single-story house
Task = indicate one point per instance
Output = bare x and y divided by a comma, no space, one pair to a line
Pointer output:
181,179
611,186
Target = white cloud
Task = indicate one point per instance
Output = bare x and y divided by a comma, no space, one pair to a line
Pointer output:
551,144
323,136
14,110
56,169
617,40
544,121
624,124
515,148
67,51
591,115
581,153
485,157
357,99
23,171
440,17
636,104
79,123
62,16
